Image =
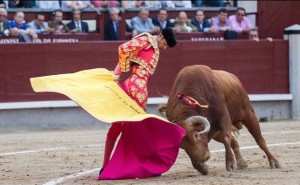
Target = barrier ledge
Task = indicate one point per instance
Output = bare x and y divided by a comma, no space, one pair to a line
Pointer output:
151,101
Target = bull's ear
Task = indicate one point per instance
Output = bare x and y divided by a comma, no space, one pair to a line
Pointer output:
198,126
190,136
196,136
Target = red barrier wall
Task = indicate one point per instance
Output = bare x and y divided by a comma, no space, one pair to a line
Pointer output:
261,66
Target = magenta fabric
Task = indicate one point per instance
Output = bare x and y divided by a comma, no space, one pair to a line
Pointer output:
146,148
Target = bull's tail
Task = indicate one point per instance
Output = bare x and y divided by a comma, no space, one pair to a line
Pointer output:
162,109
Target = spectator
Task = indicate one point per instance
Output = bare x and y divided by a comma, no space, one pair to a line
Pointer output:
201,23
111,29
4,24
214,3
20,4
20,28
132,4
142,23
253,35
78,5
105,4
2,4
221,22
239,22
183,25
43,4
162,20
39,25
56,22
77,25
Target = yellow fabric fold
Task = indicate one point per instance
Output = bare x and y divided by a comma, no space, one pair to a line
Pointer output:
96,91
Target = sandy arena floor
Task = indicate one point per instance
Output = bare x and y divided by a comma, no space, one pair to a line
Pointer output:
74,157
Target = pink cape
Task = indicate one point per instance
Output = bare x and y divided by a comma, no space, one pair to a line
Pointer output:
146,148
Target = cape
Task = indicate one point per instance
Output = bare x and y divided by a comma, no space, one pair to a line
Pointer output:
148,145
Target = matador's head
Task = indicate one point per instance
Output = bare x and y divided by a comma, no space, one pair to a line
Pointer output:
169,36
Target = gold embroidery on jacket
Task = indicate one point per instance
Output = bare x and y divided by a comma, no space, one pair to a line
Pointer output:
129,50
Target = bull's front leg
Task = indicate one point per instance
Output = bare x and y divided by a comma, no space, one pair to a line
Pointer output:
230,157
241,163
225,126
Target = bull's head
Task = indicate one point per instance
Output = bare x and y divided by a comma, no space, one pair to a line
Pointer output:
195,143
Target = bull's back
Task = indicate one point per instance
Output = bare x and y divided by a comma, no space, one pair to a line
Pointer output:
197,81
236,97
229,83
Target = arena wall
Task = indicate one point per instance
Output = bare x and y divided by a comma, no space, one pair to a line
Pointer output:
261,66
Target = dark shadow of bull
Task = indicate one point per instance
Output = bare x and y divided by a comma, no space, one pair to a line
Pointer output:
229,108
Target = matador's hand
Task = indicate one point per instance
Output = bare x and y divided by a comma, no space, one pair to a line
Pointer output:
117,77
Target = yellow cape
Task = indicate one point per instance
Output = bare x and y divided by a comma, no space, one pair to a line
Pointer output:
97,92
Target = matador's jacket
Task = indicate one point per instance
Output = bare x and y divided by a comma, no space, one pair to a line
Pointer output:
142,50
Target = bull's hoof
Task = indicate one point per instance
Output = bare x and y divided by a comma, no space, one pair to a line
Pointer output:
241,164
274,164
231,167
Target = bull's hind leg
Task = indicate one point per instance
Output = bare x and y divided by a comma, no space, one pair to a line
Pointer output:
252,125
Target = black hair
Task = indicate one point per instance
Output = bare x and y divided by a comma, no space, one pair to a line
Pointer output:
199,10
57,10
241,8
162,9
169,36
223,10
39,13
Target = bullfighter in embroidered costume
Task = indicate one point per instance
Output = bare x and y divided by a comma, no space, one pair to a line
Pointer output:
141,55
149,144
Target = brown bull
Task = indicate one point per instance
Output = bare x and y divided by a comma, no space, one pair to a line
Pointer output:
229,108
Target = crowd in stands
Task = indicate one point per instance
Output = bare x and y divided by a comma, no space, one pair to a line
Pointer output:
237,23
27,31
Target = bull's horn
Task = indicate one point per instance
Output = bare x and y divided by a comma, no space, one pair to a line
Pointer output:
200,119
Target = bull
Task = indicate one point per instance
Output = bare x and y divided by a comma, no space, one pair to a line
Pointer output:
212,104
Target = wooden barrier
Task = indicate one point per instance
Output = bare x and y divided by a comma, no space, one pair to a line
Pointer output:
55,38
78,37
261,66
